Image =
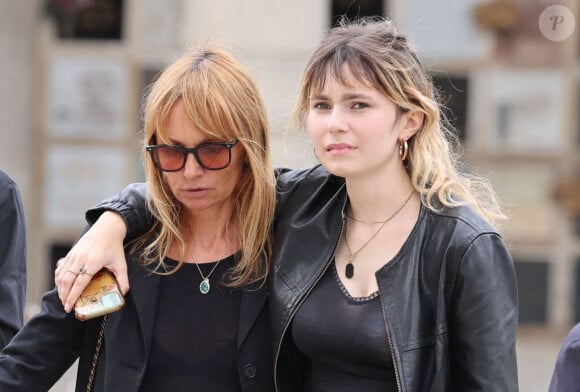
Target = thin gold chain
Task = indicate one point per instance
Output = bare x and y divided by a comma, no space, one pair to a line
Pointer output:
352,255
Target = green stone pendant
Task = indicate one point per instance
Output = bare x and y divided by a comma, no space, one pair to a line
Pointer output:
204,286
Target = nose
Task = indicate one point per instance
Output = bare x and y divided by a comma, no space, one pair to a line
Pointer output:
336,121
192,167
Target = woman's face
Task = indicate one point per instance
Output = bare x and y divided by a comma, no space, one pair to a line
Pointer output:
197,189
354,129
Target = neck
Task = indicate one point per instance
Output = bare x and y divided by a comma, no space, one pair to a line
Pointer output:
209,238
371,199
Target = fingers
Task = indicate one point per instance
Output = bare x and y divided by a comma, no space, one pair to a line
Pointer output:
70,277
122,277
64,276
99,247
78,285
82,271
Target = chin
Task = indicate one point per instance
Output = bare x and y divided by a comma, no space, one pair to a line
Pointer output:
337,169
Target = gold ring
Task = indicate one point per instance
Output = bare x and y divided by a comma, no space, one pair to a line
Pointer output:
72,272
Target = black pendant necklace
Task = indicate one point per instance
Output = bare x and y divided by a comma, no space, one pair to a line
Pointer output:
349,268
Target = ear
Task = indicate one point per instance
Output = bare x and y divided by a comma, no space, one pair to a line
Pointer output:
412,123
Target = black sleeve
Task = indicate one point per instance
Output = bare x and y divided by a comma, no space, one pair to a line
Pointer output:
12,260
131,204
484,323
44,348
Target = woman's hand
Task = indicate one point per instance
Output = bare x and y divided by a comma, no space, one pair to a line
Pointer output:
100,247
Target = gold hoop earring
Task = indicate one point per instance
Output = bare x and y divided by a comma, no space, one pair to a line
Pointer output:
403,149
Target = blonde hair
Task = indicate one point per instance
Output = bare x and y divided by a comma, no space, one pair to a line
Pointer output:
223,103
379,57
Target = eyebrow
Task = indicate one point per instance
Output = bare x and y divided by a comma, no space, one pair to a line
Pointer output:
178,143
344,97
174,142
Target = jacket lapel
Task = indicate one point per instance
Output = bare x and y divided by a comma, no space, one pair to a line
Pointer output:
253,300
145,290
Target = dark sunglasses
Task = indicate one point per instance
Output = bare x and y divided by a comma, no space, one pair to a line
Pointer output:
210,156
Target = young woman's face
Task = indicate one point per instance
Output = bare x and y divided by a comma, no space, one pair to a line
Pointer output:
196,188
354,129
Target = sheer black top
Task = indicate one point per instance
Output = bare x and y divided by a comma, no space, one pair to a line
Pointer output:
194,343
344,338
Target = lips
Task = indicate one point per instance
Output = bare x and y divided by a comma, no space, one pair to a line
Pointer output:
196,190
339,148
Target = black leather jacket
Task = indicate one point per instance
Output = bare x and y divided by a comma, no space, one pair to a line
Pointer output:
449,297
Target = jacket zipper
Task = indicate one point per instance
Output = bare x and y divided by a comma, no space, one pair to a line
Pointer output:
300,304
390,342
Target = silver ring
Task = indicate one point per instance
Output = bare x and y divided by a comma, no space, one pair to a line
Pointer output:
83,271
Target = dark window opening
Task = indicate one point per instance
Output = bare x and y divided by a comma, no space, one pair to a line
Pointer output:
57,250
452,93
532,281
353,9
148,77
91,19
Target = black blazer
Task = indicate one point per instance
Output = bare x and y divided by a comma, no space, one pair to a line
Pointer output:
51,341
12,260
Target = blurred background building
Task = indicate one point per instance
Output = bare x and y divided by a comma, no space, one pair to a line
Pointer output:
73,73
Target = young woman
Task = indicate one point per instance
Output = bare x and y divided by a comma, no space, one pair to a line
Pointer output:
196,316
387,274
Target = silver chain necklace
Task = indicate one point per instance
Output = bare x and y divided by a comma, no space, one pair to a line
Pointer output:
204,286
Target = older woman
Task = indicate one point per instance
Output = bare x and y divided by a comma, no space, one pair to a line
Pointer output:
196,316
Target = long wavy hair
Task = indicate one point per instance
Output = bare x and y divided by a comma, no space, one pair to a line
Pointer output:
223,103
381,58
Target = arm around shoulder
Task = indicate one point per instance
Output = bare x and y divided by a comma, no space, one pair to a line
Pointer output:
131,205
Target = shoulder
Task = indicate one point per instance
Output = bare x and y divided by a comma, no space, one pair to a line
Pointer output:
9,194
307,186
467,240
571,346
6,183
462,221
287,178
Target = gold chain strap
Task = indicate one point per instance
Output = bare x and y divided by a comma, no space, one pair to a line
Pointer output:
96,356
